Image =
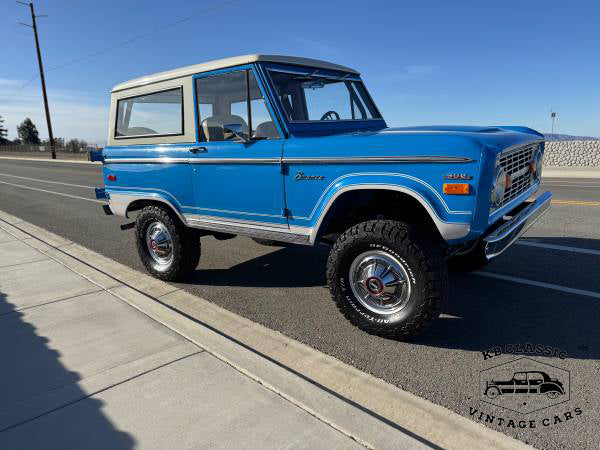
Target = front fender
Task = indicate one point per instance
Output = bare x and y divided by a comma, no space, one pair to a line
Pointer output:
452,223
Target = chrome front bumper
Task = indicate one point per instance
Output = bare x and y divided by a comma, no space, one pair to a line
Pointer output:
502,237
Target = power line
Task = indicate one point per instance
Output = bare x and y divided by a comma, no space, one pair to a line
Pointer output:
120,44
27,83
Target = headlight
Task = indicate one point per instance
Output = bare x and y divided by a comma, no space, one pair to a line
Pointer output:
536,164
499,186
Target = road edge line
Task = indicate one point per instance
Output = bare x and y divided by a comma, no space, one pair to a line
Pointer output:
22,158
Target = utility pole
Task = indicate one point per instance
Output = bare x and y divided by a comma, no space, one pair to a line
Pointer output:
39,57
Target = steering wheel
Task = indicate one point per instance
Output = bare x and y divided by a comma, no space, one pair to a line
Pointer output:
330,115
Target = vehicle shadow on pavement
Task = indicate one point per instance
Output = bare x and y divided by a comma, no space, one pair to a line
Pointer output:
32,412
273,269
481,312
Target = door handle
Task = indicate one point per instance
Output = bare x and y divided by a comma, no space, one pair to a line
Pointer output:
198,150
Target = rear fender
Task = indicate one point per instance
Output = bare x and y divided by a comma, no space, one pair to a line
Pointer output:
122,202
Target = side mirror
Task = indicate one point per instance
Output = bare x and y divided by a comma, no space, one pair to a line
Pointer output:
235,129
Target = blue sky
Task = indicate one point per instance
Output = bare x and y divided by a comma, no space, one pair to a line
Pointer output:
425,62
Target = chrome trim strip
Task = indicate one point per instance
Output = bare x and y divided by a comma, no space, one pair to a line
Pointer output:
321,160
203,160
378,159
237,222
508,232
296,235
159,160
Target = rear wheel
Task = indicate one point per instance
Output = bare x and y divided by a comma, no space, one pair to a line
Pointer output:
492,392
168,249
387,278
469,259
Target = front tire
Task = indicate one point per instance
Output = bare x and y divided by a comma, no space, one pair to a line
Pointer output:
387,278
168,249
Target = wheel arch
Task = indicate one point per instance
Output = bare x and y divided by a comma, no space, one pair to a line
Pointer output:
122,204
406,195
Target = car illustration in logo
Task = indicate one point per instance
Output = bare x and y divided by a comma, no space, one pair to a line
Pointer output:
531,382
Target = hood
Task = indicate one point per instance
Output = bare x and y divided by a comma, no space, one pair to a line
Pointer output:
495,137
437,140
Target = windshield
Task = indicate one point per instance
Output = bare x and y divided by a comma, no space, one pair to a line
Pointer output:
318,98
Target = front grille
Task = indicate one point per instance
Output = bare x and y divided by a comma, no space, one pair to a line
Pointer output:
516,164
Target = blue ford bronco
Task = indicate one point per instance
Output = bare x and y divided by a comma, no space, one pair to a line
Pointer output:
286,149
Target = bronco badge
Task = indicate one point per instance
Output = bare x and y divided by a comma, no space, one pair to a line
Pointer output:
301,177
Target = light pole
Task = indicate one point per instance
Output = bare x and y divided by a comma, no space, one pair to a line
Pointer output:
39,57
552,116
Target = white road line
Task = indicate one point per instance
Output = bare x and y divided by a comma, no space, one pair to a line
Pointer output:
46,181
53,192
565,248
555,287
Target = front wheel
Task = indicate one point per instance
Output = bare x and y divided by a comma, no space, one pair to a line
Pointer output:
168,249
387,278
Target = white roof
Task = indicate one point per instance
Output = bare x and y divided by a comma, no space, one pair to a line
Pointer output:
228,62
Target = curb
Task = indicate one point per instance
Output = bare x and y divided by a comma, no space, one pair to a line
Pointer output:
366,408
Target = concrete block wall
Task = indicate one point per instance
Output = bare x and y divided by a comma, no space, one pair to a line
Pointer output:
572,153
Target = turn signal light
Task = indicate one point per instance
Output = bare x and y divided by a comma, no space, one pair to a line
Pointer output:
112,178
457,188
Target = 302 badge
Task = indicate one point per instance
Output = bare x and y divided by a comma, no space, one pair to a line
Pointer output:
528,389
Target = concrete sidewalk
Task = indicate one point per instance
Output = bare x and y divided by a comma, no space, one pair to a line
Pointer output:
96,355
82,368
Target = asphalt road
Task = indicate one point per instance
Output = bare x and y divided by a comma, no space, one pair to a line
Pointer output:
545,290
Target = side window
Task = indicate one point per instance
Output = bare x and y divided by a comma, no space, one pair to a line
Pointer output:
159,113
520,376
223,100
263,126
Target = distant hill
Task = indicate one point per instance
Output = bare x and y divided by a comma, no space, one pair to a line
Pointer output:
568,137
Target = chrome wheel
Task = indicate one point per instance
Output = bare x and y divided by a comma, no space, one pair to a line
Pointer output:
159,243
379,282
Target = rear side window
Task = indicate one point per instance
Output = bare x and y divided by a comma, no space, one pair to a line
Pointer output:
156,114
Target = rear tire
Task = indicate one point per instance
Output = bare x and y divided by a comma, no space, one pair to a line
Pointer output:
168,249
470,259
387,278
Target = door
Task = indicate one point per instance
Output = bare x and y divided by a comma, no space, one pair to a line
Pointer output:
236,168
